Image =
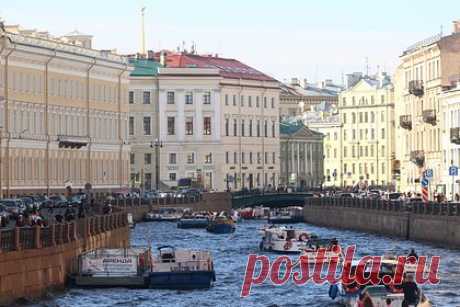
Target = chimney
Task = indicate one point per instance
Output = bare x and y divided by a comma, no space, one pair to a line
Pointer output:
305,82
162,59
456,26
294,81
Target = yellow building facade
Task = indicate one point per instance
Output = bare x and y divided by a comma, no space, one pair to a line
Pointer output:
63,114
425,69
367,115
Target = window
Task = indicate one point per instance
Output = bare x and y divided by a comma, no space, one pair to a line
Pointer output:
250,101
265,102
208,158
383,168
226,99
227,157
344,135
207,125
172,158
372,134
147,130
265,128
382,99
353,118
273,128
227,128
372,99
344,101
243,160
382,116
383,151
365,117
383,133
353,134
372,117
258,128
171,125
170,98
344,151
147,158
345,117
257,102
235,127
235,158
189,98
273,158
242,127
146,98
250,157
360,117
172,176
131,97
234,100
250,127
189,125
335,136
131,125
132,158
191,158
207,98
242,100
273,103
266,157
335,153
259,158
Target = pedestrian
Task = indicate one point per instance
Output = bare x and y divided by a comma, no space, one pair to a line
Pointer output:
457,197
411,291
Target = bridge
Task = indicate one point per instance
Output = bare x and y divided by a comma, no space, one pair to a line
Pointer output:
272,200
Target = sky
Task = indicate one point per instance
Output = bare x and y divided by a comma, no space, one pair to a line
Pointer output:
312,39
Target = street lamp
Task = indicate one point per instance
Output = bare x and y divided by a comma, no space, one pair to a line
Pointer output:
157,144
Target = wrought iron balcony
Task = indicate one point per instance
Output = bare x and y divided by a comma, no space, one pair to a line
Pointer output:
405,121
68,141
416,87
455,135
429,117
418,157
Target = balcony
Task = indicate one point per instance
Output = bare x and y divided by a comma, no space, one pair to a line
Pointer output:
429,117
417,157
405,121
416,87
455,135
67,141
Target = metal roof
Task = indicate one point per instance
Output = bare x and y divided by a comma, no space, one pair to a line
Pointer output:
144,68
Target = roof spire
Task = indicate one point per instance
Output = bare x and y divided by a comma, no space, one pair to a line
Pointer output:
142,51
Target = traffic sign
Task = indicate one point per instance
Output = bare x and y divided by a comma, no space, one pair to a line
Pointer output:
424,182
429,173
453,171
425,195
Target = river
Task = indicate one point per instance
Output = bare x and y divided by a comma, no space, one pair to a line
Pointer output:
230,256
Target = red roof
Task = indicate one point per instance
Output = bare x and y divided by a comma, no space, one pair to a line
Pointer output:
228,68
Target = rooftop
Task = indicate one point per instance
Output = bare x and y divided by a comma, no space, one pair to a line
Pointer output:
144,67
228,68
296,128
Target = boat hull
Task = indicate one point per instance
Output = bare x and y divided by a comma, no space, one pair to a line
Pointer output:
181,280
291,220
109,281
221,228
192,224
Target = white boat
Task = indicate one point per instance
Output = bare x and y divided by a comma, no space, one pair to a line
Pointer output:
164,215
379,295
286,215
295,241
181,269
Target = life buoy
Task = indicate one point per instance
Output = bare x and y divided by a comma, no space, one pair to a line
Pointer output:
411,260
287,245
335,248
304,237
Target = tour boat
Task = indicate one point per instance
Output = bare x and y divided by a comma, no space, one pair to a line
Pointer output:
379,295
163,215
124,267
295,241
286,216
193,221
181,269
221,224
254,213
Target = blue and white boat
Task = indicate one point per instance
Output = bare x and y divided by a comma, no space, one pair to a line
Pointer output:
221,224
181,269
193,221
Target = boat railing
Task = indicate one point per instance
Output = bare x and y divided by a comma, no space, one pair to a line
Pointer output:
183,266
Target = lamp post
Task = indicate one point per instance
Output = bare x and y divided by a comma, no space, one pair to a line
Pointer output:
157,144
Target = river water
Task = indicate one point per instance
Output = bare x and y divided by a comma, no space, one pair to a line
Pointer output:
230,256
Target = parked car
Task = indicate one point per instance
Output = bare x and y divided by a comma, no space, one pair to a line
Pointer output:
5,216
14,206
393,196
344,195
58,201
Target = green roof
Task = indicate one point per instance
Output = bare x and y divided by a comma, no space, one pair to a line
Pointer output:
290,127
144,68
297,129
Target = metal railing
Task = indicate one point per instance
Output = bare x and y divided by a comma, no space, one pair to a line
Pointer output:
20,238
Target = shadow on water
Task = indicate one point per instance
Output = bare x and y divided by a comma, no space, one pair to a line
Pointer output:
230,255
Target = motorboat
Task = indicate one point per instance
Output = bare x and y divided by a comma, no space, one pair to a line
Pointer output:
254,213
221,224
124,267
163,215
286,216
298,241
378,295
193,221
181,269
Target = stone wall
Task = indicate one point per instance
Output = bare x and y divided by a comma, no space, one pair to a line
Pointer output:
434,223
30,273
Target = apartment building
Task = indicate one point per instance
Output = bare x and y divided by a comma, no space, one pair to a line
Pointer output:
425,69
63,113
218,123
367,114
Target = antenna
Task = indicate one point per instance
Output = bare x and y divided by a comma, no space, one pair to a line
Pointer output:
142,31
